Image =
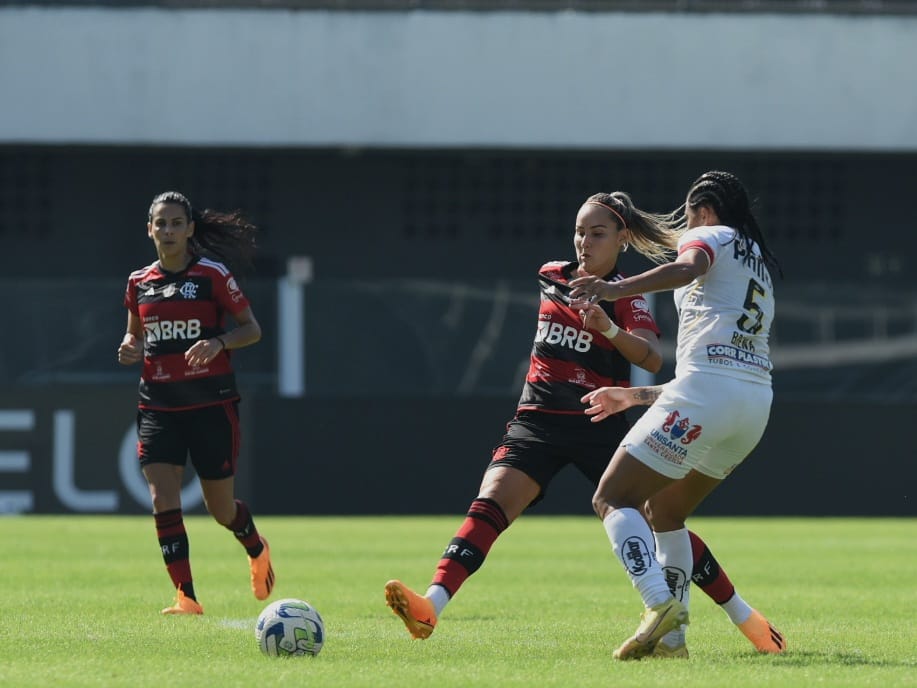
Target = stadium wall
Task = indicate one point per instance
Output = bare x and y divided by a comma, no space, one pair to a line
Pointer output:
448,290
425,79
60,454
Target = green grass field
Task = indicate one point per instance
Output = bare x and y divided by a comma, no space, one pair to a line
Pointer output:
81,599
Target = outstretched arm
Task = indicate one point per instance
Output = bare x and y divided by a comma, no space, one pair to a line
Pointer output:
607,401
689,265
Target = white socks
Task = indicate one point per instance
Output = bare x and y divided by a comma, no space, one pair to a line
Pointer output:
439,597
632,542
737,609
673,550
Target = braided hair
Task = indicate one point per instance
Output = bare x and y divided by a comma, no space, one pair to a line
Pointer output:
226,237
726,195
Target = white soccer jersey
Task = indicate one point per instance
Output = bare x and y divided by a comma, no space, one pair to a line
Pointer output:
725,315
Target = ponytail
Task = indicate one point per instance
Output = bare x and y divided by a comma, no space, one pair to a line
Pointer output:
227,237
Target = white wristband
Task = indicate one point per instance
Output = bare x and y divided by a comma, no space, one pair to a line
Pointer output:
612,331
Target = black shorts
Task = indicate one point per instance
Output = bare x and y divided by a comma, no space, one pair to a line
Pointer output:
209,435
541,444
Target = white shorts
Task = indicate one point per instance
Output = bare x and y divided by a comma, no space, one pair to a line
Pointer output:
708,423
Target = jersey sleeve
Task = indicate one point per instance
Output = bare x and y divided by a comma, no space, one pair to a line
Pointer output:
709,239
229,295
633,313
130,298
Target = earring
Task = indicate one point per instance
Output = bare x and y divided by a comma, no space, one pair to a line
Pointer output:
624,247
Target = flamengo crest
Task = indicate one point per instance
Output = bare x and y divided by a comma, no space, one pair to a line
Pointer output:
188,290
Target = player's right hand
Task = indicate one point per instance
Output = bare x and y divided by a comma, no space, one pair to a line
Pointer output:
129,351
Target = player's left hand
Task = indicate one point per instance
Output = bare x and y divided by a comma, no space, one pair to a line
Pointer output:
594,317
202,352
606,401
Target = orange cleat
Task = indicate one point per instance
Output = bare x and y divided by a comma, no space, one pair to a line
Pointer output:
183,605
762,634
415,610
262,572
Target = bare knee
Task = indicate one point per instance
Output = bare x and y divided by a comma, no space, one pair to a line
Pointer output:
511,489
608,497
164,483
661,516
601,506
162,501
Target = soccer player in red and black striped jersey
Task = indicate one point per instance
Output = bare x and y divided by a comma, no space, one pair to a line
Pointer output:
575,351
177,308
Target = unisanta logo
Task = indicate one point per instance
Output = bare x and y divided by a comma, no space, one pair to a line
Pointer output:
681,429
635,555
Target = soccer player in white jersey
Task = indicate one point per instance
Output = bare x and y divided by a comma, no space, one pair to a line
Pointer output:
702,424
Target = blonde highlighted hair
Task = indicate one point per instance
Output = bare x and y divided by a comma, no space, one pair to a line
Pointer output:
653,235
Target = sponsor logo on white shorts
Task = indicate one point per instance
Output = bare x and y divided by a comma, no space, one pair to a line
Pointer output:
670,440
665,448
681,429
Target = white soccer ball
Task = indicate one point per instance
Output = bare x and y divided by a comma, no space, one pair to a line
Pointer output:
290,627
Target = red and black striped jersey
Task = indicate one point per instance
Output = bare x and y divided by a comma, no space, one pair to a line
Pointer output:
176,310
569,360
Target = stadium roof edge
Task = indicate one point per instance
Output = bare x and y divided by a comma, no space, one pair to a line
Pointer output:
867,7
